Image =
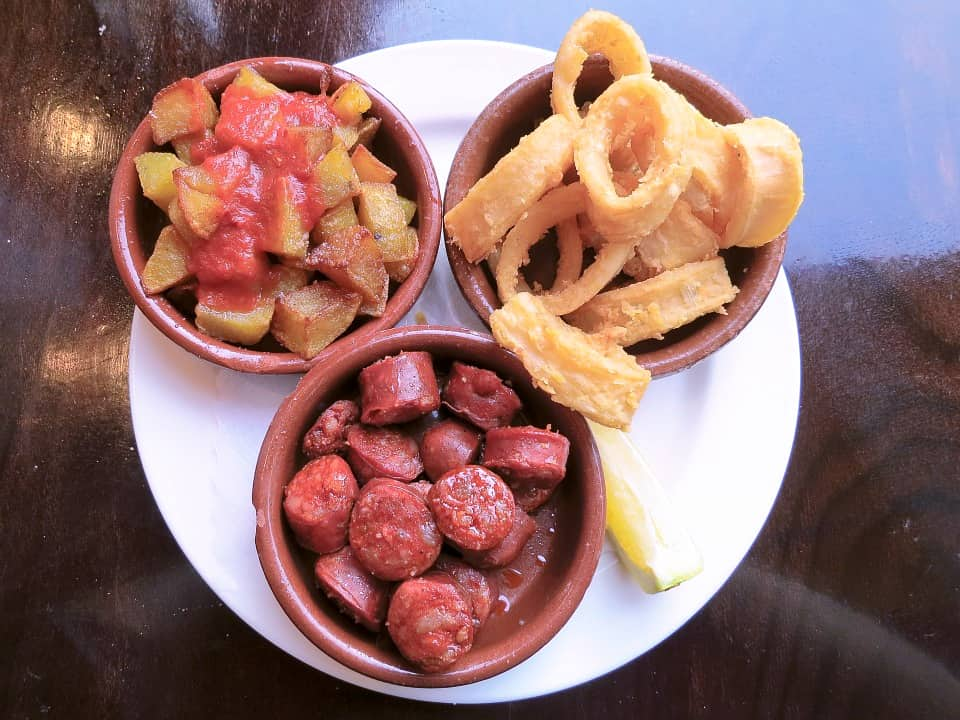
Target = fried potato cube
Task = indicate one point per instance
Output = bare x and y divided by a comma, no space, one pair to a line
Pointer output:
348,135
380,212
253,84
369,168
336,218
367,130
309,142
183,108
167,265
156,176
400,271
409,208
241,327
194,149
352,259
334,177
201,208
179,221
349,102
287,279
288,232
309,319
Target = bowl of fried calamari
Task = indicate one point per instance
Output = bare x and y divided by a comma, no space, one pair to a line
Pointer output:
615,209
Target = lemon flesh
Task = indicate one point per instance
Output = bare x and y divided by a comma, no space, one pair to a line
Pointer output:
641,520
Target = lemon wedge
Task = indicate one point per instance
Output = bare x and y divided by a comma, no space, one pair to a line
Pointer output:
642,522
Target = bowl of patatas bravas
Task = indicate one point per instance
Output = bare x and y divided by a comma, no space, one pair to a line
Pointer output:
270,208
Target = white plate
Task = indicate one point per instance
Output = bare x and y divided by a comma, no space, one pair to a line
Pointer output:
718,435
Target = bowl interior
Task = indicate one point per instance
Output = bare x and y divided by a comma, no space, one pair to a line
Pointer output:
515,113
136,221
543,586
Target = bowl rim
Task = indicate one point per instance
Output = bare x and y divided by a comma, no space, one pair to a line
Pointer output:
680,354
277,556
129,258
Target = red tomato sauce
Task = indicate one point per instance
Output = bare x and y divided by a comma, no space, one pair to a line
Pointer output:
252,154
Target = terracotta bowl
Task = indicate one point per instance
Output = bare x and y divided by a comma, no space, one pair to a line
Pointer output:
135,222
542,597
514,113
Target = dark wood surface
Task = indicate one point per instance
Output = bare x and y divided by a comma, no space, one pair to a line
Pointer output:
848,605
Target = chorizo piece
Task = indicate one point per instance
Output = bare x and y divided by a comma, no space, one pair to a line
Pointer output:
448,445
352,588
482,589
480,396
382,452
398,389
473,507
318,502
527,455
329,433
508,550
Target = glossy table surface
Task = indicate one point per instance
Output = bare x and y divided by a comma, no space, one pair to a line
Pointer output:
848,605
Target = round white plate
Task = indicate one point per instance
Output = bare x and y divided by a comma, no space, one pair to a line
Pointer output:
718,435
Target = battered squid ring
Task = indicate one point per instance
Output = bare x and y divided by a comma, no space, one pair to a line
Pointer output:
557,207
595,32
554,208
631,105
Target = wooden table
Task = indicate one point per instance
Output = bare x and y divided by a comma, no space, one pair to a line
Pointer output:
847,606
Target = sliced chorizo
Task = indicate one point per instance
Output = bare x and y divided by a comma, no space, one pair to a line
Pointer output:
382,452
448,445
398,389
430,620
529,498
482,589
480,396
392,531
527,455
329,433
421,487
318,502
352,588
508,550
473,507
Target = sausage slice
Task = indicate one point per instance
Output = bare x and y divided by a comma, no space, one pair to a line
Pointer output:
480,396
430,621
352,588
448,445
473,507
392,531
508,550
318,502
329,433
527,455
382,452
482,589
398,389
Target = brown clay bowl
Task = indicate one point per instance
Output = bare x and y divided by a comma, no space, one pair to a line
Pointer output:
514,113
135,222
545,595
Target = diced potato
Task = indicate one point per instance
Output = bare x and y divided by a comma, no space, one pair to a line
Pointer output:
367,130
336,218
194,149
288,232
183,108
167,265
347,134
254,84
310,143
243,328
334,177
380,212
349,102
309,319
287,279
400,270
409,208
352,259
369,168
179,221
201,208
156,176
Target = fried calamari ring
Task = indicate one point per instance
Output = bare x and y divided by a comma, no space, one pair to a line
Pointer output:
560,204
595,32
772,186
634,105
